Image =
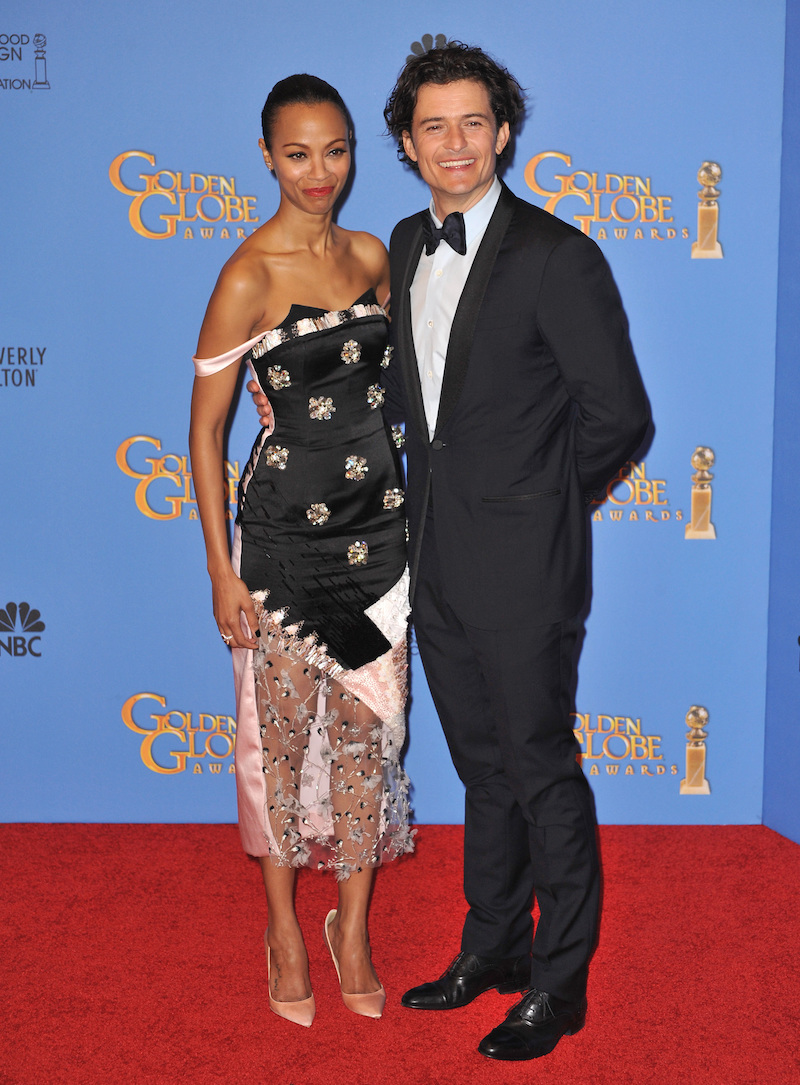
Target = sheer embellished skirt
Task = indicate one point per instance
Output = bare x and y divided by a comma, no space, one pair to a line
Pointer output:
319,779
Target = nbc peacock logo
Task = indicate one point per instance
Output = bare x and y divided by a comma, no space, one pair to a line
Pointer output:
425,44
20,626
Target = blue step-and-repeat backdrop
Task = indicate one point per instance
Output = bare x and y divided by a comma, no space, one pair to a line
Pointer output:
131,171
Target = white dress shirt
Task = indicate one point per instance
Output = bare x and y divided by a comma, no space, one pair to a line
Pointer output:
435,293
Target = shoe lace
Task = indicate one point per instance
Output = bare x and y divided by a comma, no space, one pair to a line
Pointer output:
535,1004
456,960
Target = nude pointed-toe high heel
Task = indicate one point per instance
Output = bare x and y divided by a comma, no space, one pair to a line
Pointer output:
368,1005
301,1013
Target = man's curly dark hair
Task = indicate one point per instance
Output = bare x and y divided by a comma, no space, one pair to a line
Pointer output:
452,61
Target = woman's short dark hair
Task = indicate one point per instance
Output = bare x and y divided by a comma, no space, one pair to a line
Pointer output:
299,90
452,61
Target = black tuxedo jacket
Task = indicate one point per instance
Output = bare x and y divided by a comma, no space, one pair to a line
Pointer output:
541,404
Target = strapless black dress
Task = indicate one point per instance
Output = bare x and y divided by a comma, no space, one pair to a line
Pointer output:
320,505
320,543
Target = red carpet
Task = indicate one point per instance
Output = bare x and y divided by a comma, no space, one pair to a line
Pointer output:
135,954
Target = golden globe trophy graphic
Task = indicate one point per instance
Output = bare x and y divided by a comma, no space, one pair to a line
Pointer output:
696,782
700,526
39,45
707,247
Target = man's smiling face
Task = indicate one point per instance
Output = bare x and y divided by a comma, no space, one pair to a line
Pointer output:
455,141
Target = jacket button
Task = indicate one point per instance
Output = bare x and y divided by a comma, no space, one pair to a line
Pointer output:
437,444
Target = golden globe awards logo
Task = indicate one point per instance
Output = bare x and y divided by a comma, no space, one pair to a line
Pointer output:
164,482
164,200
632,496
176,740
621,206
620,746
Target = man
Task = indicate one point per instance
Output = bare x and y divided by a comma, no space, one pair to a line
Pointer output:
515,375
522,399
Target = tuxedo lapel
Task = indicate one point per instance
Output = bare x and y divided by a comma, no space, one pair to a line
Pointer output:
405,336
461,333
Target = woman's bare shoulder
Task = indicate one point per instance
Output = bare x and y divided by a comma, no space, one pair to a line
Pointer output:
366,246
237,304
370,252
247,268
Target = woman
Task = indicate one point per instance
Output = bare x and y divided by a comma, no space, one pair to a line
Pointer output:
314,601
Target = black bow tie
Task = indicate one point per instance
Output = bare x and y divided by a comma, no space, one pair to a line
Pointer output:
452,232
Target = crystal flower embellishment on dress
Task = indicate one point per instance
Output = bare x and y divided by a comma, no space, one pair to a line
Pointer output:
375,396
398,436
278,378
321,408
318,513
357,553
355,468
387,357
393,499
276,456
351,352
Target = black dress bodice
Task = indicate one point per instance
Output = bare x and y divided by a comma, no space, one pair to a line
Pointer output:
320,505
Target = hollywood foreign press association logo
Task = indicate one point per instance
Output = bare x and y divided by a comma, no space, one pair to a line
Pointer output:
20,627
23,56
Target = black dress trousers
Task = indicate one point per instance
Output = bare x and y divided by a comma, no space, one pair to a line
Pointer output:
504,699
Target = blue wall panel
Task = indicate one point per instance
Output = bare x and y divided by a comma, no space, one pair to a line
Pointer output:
635,97
782,764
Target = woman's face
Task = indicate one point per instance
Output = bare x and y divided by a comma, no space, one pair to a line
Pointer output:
310,155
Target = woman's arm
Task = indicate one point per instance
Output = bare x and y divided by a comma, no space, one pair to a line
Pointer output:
229,320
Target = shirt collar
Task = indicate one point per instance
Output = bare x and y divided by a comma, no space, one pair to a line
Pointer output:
477,218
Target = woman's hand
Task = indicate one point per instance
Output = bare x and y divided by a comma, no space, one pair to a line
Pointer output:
233,610
263,406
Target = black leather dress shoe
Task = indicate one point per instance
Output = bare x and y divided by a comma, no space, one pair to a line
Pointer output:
466,978
533,1027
